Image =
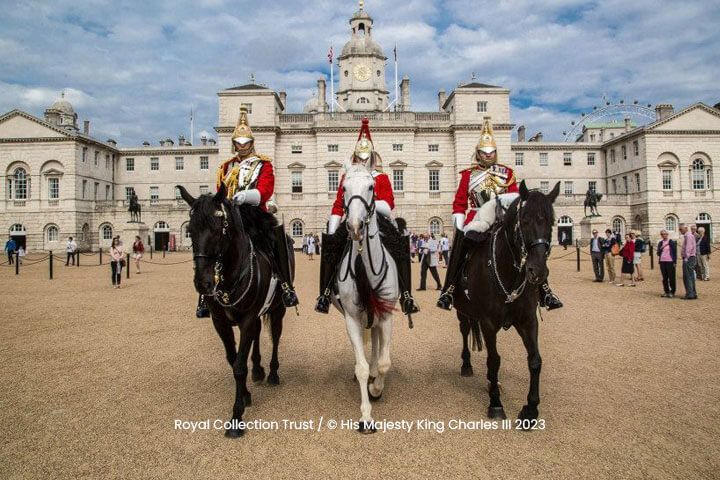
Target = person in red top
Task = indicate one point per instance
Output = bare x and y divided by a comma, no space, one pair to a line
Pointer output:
384,205
481,187
138,250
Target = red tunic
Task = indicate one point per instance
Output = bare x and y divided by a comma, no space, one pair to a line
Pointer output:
383,191
462,196
265,182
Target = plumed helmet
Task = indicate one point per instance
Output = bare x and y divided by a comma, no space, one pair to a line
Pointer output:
364,146
242,133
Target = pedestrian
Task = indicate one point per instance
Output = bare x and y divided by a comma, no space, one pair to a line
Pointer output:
445,249
21,254
637,260
10,247
563,240
611,249
667,253
117,261
689,257
703,251
597,247
310,246
628,256
429,261
317,244
694,230
138,250
70,249
413,247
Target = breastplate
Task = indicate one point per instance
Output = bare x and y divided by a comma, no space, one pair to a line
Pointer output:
486,184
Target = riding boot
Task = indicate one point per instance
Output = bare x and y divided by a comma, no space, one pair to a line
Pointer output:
457,259
289,297
407,302
323,300
547,298
202,310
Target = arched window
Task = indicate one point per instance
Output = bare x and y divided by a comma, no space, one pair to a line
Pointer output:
435,226
363,100
85,233
618,225
51,233
698,174
703,218
106,232
19,187
162,226
16,229
565,221
671,223
297,228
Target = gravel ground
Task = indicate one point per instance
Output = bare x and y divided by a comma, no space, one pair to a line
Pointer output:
93,380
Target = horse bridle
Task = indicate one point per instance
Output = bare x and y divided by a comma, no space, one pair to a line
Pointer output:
535,243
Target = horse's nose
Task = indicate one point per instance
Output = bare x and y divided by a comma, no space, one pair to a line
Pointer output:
356,229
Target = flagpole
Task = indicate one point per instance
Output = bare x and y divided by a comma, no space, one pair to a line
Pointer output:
397,102
332,81
192,127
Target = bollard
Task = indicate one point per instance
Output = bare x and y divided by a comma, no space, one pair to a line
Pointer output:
100,256
77,258
127,263
652,257
578,257
51,264
163,252
17,263
151,251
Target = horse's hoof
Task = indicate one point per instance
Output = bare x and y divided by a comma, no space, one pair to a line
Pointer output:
527,413
234,432
373,398
366,428
273,379
258,375
496,412
466,371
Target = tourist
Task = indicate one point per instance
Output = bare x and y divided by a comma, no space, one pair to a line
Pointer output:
21,254
610,242
637,261
597,245
703,251
563,240
696,234
445,249
10,247
628,255
429,261
117,261
413,246
689,257
310,246
138,250
667,253
317,244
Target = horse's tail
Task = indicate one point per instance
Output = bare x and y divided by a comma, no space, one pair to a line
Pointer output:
266,325
368,299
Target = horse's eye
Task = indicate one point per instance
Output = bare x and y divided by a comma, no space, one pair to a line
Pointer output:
371,188
343,188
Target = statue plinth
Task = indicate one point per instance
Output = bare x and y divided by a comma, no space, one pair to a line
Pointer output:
588,224
130,231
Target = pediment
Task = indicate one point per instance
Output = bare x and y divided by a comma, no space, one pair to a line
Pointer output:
53,171
333,164
695,117
296,166
398,164
18,124
434,164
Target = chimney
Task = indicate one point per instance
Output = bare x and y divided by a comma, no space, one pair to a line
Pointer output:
111,142
181,140
322,98
147,144
441,99
203,140
521,133
162,143
663,111
405,94
627,124
539,137
169,142
86,127
283,98
211,141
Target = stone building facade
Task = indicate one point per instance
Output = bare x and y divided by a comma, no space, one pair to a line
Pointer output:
59,181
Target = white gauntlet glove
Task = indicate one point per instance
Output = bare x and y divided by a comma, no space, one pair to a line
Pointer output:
251,197
459,220
333,223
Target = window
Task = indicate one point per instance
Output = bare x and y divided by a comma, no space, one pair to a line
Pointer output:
177,194
636,148
565,220
567,159
698,174
84,154
107,192
667,183
363,100
129,164
95,191
614,185
247,106
544,187
129,191
397,147
333,147
154,194
162,225
52,233
625,183
592,186
591,158
179,163
637,181
204,163
84,188
543,159
107,232
670,223
612,134
19,185
519,159
435,226
204,189
154,163
297,183
97,158
612,155
618,225
53,188
703,218
569,189
623,150
296,148
433,147
107,162
482,107
398,180
592,137
297,228
186,231
434,180
333,180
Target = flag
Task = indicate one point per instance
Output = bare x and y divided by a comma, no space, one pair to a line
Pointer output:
395,52
330,55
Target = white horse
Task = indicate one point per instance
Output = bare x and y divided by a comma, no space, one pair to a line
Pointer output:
368,289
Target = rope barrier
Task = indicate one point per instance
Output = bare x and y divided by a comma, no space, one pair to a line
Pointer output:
27,264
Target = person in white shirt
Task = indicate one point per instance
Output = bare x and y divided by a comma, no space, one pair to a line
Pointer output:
429,261
70,249
311,246
445,249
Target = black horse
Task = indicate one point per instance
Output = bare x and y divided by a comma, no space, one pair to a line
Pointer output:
135,209
503,275
591,200
233,270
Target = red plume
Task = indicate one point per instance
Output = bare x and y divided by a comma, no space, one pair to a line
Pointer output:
365,128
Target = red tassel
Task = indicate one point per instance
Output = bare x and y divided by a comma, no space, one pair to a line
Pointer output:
365,128
380,307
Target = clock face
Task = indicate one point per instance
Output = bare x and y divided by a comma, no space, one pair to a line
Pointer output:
362,73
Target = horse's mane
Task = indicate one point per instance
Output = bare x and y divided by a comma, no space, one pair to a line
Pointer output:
531,209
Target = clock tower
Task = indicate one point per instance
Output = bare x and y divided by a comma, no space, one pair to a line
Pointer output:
362,68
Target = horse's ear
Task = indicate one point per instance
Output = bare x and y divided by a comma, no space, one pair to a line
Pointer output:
554,193
221,194
524,191
185,195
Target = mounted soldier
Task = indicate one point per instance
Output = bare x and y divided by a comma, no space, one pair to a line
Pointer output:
249,179
488,187
394,238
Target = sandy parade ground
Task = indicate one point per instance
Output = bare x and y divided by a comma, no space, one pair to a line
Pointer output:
95,380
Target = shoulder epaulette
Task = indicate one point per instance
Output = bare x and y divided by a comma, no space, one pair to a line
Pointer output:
264,158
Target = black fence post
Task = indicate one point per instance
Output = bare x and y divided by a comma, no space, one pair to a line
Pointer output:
17,263
577,250
151,249
652,258
163,252
51,265
77,258
127,266
100,256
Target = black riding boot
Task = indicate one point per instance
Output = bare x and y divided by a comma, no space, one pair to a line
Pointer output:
457,259
323,300
407,302
547,298
202,310
289,297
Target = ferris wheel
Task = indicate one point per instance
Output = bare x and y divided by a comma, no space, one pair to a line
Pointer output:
611,112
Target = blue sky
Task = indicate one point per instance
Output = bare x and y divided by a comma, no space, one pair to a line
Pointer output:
135,68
